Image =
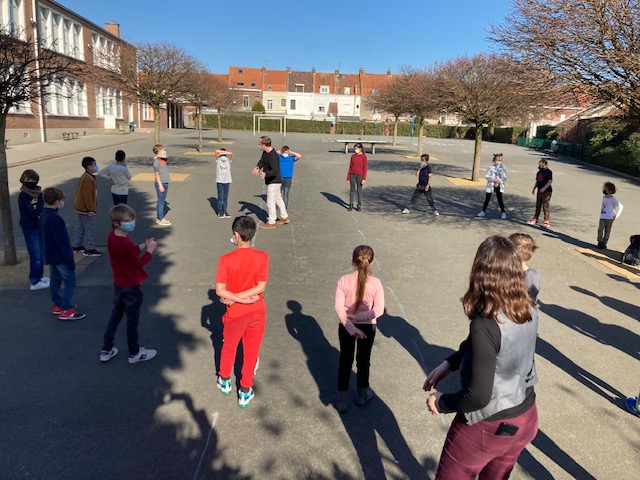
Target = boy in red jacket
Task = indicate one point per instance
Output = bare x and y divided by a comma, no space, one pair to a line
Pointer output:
128,273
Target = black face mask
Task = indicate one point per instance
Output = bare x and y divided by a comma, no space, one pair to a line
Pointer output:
604,192
31,185
540,168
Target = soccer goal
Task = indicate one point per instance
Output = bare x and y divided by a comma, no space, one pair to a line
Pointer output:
282,117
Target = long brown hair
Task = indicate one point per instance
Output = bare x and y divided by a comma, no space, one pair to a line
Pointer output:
362,259
497,283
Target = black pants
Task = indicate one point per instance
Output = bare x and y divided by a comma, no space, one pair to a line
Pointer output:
125,300
355,183
420,189
498,196
347,349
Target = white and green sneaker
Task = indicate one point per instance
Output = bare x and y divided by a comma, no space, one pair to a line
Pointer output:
224,385
244,398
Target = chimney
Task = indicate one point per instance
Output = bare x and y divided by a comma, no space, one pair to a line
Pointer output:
388,71
361,71
113,28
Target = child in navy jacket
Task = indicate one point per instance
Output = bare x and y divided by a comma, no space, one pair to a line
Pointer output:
31,204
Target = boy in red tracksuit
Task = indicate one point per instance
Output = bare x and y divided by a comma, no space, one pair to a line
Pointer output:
240,281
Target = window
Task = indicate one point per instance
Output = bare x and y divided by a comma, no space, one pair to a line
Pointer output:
245,101
347,90
12,17
269,88
293,105
269,104
324,89
105,53
108,102
240,71
239,84
299,87
321,108
374,91
283,102
66,97
253,84
147,112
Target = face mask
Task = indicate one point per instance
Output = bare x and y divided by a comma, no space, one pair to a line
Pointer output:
423,164
285,155
498,163
260,148
233,240
540,168
357,150
61,205
127,226
95,169
164,152
604,192
31,185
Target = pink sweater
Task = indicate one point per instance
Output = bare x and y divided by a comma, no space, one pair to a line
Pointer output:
370,309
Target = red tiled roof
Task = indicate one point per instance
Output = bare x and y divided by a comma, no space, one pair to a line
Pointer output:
250,77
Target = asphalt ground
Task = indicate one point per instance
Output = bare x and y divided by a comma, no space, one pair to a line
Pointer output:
65,415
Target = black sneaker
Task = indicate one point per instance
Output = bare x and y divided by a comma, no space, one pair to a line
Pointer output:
78,249
92,253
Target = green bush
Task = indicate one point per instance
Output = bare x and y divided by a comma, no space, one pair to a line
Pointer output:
258,107
615,143
543,130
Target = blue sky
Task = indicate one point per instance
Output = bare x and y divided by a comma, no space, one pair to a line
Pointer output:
345,36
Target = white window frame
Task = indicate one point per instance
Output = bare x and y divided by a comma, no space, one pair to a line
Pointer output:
269,104
321,109
347,90
324,89
245,101
283,102
60,33
147,112
292,104
12,17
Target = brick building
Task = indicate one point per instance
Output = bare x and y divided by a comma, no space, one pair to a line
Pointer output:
72,106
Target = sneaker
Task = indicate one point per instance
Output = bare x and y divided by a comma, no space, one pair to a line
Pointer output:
92,253
224,385
503,216
221,215
481,214
405,211
164,222
143,355
244,398
106,355
600,246
547,224
533,221
226,215
283,221
71,314
358,209
436,213
40,285
78,249
266,226
58,310
46,279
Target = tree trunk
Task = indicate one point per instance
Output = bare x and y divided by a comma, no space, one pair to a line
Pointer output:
477,153
420,133
395,131
219,126
491,131
199,131
10,255
156,124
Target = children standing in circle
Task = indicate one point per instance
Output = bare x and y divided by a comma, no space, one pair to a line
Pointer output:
161,183
526,247
544,179
223,180
31,205
424,184
85,203
357,175
120,176
359,301
496,177
287,159
611,209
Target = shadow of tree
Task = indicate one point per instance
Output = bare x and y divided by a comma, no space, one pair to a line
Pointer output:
629,309
173,161
362,424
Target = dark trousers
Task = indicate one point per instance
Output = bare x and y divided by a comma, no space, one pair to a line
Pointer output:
604,230
355,184
119,199
223,196
542,203
125,300
348,345
420,189
32,238
475,450
284,190
487,198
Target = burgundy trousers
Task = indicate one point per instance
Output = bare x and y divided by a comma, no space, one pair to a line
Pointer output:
475,450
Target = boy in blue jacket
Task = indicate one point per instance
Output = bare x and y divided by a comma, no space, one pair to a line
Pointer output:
58,254
31,204
424,184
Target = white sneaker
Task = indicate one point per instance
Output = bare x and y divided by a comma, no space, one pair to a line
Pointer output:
143,355
164,222
40,285
503,216
46,279
106,355
406,210
436,213
481,214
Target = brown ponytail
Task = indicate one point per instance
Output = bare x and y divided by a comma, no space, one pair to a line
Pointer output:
362,260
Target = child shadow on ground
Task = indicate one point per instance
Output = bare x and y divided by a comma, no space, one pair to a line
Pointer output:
362,424
213,202
334,199
211,319
249,208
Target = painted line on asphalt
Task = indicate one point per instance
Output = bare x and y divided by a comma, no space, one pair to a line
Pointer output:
214,419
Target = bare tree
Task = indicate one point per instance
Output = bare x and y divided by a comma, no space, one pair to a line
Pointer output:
589,45
200,97
485,89
156,74
391,98
27,71
421,96
223,99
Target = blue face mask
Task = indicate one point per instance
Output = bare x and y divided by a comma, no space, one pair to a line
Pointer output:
260,148
95,169
423,164
127,226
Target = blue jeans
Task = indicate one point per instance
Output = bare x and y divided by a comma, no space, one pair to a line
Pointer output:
119,198
36,267
125,300
284,189
61,273
162,198
223,196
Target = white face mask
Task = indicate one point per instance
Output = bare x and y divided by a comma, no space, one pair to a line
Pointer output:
357,150
285,155
423,164
61,205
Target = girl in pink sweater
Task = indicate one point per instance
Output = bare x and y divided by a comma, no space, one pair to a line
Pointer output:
359,302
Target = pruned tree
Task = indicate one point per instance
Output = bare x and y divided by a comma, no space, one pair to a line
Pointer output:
589,45
485,89
223,99
156,74
421,96
391,98
27,71
199,97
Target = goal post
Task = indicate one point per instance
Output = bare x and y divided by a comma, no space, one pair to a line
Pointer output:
281,117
